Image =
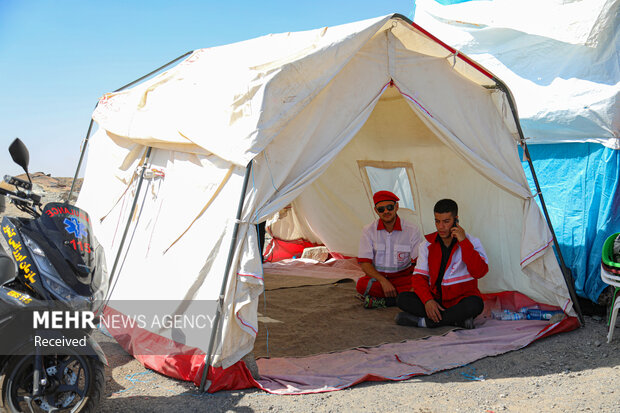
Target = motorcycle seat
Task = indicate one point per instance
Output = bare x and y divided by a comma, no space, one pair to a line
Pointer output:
7,267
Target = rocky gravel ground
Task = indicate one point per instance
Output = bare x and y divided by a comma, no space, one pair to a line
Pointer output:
576,371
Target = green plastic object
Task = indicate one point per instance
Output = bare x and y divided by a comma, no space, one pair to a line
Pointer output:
608,252
607,259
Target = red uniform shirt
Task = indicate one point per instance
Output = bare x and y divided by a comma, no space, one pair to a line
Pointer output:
467,263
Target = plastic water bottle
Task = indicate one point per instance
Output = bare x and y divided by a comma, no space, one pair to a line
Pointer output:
533,309
506,315
538,314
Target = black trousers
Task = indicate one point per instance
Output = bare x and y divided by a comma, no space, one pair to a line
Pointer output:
470,306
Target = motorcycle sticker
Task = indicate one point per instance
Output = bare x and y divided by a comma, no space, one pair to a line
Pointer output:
73,226
24,298
22,259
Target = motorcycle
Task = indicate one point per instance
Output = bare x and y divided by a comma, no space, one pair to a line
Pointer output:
53,282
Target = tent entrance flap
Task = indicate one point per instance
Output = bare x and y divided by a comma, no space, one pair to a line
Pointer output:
336,205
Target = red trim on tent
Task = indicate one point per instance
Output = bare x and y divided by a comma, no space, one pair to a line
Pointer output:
391,83
514,300
173,359
536,252
236,377
246,324
453,50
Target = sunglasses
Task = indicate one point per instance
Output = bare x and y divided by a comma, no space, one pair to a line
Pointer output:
389,207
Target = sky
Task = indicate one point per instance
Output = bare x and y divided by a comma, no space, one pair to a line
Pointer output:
58,57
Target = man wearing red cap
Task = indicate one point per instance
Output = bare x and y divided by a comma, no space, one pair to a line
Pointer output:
387,250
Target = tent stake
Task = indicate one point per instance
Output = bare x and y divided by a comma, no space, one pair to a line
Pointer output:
568,278
231,253
90,125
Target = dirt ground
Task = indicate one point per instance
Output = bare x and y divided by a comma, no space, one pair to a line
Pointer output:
569,372
326,317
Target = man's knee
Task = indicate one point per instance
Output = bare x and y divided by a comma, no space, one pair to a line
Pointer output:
474,304
407,298
369,286
361,284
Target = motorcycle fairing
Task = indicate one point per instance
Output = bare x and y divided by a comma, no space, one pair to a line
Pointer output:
69,229
25,265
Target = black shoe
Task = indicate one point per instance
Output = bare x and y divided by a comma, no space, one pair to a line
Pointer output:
405,319
468,323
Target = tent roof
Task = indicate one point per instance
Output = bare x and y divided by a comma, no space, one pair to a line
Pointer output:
229,91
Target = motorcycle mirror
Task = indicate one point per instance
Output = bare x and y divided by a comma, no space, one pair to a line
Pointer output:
20,155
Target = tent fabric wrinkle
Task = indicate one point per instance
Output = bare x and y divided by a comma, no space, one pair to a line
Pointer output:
217,191
306,109
563,67
302,62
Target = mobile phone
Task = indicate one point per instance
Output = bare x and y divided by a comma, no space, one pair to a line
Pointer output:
455,223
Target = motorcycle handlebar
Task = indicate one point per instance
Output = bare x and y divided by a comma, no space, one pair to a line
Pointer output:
19,197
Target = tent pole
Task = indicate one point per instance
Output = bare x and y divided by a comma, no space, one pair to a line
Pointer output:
568,278
79,166
231,253
90,125
154,71
129,218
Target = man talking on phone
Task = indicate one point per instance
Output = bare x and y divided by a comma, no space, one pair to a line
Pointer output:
445,278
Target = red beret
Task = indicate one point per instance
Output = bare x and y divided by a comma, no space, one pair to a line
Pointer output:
384,196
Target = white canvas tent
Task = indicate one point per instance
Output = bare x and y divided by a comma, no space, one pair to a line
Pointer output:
297,117
560,58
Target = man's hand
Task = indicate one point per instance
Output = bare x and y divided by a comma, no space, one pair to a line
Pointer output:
388,287
433,312
458,232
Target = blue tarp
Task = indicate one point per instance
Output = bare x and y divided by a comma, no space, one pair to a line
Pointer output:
579,182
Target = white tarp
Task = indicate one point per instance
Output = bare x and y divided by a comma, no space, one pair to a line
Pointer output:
305,108
559,57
